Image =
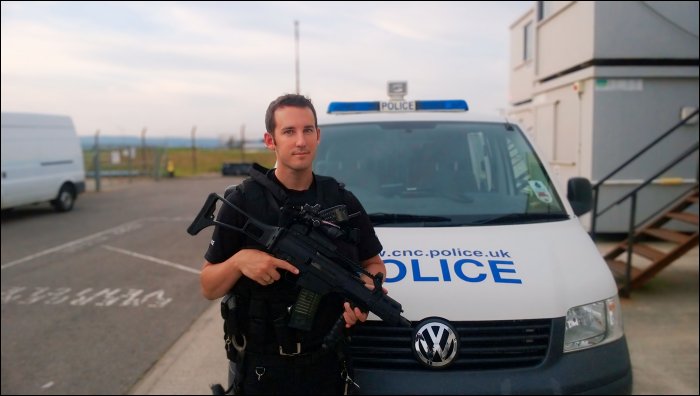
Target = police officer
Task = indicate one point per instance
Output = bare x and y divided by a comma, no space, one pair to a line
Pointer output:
270,356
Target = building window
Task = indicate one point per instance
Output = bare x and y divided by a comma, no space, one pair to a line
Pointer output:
527,41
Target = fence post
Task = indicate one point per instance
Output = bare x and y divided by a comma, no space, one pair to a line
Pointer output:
194,151
96,159
156,165
143,152
129,161
243,143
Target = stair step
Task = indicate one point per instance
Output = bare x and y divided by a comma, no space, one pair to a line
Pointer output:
648,252
659,259
618,269
667,235
657,266
683,216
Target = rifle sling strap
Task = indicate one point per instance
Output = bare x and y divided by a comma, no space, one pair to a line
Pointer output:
327,187
259,174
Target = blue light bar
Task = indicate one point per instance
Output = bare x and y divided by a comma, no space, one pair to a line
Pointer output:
399,106
441,105
352,107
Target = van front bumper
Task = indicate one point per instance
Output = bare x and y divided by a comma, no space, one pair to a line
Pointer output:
600,370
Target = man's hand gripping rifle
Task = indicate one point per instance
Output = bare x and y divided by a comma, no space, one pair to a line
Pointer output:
307,244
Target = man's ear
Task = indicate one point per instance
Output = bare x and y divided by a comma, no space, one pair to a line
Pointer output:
269,141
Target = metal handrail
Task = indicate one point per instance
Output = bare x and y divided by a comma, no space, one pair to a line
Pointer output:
671,164
596,188
665,207
642,151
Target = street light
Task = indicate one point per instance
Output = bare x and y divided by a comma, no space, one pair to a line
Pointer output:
296,44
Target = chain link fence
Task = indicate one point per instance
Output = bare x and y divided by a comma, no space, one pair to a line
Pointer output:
125,163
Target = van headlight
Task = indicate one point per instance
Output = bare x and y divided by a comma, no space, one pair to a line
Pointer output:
593,324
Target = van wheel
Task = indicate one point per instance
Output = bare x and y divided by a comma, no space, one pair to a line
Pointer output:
65,199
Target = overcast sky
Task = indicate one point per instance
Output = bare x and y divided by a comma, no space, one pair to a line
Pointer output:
168,66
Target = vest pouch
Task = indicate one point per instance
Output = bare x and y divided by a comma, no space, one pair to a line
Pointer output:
231,329
228,306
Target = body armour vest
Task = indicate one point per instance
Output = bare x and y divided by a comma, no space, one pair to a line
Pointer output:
263,311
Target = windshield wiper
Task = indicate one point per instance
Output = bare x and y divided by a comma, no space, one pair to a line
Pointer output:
511,218
389,218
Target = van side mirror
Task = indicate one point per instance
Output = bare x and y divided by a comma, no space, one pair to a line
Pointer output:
580,195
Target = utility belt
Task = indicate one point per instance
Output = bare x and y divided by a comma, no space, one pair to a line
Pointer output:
300,359
287,350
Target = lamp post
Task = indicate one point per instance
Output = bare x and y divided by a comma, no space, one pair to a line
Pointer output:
296,45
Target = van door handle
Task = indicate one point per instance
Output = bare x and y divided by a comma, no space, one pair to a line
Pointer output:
4,175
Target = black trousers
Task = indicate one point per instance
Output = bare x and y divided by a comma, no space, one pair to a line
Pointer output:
312,374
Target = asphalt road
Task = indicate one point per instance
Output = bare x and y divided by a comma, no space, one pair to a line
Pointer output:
92,298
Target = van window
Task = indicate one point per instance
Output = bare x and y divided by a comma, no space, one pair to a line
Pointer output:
439,173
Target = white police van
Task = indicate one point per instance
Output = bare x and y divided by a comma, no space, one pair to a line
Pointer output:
505,290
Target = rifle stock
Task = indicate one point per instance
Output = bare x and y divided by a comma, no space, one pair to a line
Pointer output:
205,217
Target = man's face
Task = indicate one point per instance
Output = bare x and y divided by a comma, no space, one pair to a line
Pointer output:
295,138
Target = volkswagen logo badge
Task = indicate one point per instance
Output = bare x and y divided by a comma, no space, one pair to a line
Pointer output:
435,343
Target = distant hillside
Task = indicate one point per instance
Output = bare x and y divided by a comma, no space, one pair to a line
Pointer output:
88,142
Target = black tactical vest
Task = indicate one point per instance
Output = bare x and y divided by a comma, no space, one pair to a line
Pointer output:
263,311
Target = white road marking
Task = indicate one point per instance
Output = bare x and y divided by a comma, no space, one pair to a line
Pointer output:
120,229
69,244
47,385
152,259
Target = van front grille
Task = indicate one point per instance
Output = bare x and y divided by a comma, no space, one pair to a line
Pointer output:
487,345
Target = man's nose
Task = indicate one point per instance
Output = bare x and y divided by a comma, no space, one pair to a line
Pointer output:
300,139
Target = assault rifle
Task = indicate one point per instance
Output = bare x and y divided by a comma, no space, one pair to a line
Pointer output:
307,243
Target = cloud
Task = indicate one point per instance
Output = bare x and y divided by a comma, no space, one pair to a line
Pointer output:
217,65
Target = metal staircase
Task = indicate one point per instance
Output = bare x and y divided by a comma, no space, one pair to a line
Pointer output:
681,243
649,260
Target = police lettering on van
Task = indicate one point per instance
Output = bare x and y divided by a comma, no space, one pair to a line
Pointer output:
446,265
505,290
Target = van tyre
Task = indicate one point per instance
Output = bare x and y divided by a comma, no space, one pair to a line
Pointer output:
65,199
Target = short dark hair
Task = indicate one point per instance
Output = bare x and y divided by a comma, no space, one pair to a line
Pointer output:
293,100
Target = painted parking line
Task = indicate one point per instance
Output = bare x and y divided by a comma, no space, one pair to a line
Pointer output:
151,259
115,230
95,238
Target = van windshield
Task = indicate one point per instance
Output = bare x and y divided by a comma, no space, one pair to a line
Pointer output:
439,173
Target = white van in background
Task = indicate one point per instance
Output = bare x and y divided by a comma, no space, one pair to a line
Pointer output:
41,161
